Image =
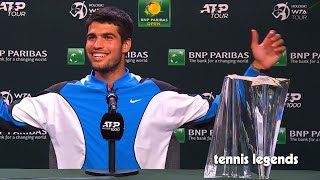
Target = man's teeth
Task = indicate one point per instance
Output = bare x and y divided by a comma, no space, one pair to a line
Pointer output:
98,55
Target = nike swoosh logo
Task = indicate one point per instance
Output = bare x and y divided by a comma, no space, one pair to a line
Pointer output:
134,101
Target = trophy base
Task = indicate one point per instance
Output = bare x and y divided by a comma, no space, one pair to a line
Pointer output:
101,172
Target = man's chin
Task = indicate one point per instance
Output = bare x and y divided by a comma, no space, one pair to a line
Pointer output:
101,70
105,69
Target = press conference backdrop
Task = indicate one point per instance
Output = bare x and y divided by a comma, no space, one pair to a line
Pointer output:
191,44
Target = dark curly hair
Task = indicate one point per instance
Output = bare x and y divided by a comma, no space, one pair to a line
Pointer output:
116,16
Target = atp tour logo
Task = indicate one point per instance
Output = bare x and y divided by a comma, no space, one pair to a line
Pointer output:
217,11
111,126
9,97
14,9
292,100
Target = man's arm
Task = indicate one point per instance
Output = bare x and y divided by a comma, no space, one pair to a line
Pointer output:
5,113
33,111
265,55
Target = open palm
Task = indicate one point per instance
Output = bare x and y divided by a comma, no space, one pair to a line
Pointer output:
269,51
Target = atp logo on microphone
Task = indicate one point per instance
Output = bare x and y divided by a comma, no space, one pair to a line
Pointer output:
111,126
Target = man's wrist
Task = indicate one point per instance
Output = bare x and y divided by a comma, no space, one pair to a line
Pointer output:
256,67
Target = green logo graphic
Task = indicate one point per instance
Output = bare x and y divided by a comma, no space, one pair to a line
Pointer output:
176,57
181,135
282,60
282,136
154,13
76,56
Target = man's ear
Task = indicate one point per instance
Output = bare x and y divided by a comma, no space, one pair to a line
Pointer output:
126,46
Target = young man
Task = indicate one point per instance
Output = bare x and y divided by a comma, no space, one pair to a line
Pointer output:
71,111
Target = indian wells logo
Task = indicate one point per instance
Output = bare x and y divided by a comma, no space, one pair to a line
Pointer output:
76,56
282,138
176,57
154,13
180,135
282,60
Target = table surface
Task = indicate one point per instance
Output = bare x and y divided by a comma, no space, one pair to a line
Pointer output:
143,174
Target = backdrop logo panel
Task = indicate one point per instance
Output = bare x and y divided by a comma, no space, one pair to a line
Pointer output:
293,100
80,10
181,135
199,134
76,56
285,11
176,57
311,58
137,57
217,11
282,60
305,136
154,13
218,57
8,97
30,135
26,56
282,136
13,9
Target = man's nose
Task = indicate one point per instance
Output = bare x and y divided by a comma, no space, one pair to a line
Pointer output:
98,43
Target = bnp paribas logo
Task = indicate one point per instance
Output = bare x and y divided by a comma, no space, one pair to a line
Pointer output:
176,57
154,13
282,136
180,135
76,56
282,60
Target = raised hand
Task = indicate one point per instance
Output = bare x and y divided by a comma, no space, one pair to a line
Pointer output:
269,51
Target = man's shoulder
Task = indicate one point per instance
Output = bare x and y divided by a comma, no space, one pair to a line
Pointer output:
56,88
163,86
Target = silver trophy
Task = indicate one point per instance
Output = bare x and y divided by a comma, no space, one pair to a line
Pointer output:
246,127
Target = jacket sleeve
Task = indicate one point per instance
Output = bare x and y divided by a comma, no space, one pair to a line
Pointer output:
33,111
215,104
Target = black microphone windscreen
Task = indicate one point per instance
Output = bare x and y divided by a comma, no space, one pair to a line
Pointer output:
112,126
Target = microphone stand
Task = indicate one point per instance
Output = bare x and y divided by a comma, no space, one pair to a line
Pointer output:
113,116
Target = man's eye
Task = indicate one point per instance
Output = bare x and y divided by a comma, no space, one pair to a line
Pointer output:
90,37
109,37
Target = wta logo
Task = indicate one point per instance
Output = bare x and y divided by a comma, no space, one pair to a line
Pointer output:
79,9
9,97
6,97
281,11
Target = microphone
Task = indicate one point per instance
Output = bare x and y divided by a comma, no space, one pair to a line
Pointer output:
112,128
112,100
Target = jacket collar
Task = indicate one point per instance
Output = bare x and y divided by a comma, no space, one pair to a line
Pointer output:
127,80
